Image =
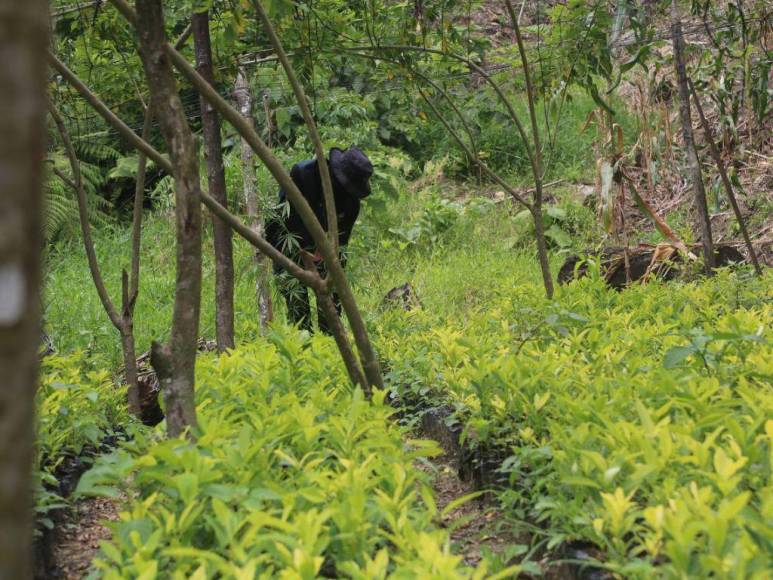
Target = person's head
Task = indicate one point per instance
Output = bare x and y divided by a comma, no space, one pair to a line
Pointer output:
352,170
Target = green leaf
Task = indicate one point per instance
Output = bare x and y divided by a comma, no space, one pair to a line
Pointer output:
559,236
187,484
676,355
556,213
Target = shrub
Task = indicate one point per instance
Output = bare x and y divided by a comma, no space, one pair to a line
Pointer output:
292,474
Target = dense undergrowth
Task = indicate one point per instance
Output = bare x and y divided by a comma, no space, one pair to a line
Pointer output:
293,474
77,409
638,421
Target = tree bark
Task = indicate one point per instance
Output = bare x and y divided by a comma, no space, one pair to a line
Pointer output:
685,114
178,360
23,43
213,154
130,367
243,97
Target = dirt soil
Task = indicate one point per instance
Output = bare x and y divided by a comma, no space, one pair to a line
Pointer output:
474,524
78,536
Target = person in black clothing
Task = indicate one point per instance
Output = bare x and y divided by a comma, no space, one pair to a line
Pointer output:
350,173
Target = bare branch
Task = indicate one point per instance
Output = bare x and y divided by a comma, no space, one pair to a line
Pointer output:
337,329
134,140
139,197
300,97
83,213
725,180
506,186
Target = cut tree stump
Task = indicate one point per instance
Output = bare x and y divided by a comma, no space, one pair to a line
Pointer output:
151,413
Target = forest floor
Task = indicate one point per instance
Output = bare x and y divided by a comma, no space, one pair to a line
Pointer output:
78,534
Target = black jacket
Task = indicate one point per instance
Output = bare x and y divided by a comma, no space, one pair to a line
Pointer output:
306,176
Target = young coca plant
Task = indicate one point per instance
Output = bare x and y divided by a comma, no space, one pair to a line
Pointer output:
293,474
639,422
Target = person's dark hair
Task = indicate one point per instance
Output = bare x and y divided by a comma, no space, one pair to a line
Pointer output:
352,170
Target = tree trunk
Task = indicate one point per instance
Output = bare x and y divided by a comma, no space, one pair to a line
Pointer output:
130,368
539,229
213,153
685,115
23,43
243,98
131,283
542,246
180,357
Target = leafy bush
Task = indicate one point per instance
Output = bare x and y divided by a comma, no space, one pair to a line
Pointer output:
436,218
639,421
76,408
292,474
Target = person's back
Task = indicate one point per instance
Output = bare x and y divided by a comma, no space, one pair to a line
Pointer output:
350,172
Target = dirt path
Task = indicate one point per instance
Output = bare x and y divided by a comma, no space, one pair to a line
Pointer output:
78,534
474,526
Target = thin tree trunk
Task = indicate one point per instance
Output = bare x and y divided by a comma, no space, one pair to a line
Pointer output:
213,153
130,367
336,327
269,121
699,193
243,97
176,363
539,229
23,43
725,180
122,322
131,282
303,105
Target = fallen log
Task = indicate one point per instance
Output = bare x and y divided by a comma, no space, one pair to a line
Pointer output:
622,267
